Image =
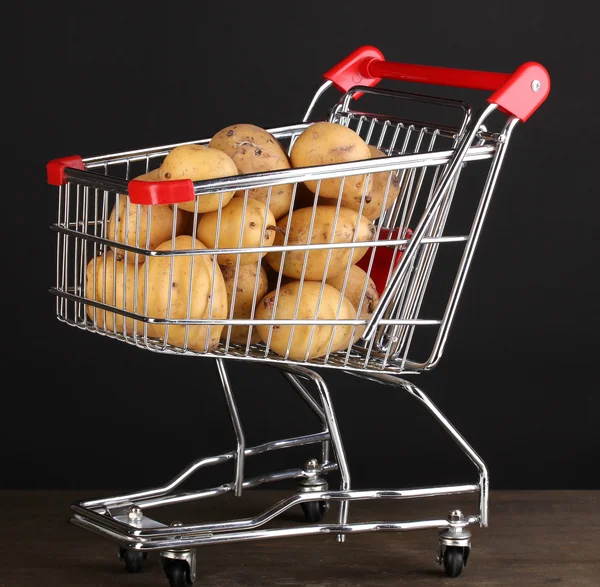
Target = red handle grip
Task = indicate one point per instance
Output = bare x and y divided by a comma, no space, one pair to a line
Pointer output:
519,93
429,74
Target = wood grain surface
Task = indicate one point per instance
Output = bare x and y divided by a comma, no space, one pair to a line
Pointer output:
534,538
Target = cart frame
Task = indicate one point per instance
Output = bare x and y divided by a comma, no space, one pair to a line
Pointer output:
380,355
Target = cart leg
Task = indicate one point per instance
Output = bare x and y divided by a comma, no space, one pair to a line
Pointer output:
452,431
462,443
237,426
295,382
336,440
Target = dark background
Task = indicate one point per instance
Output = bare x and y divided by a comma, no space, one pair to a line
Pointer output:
518,377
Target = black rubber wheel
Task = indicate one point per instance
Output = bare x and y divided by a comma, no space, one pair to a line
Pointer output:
134,560
314,511
177,572
453,560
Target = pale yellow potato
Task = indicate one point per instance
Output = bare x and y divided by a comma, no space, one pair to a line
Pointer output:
379,195
348,222
313,306
208,286
248,289
254,150
111,283
127,219
324,143
197,163
252,223
355,283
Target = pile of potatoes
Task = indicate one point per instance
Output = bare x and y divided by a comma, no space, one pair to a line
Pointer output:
262,285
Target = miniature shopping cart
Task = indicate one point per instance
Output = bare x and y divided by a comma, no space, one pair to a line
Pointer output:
455,158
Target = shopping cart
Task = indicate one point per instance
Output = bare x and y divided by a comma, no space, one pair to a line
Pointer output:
403,335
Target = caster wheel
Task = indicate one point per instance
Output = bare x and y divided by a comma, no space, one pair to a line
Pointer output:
454,560
134,559
177,572
314,511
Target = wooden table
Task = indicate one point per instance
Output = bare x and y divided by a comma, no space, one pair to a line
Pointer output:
534,538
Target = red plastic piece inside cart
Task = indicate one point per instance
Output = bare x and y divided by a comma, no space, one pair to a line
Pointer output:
55,169
157,193
384,256
524,92
351,71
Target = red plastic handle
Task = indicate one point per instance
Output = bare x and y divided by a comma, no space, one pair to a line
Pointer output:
519,93
430,74
55,169
153,193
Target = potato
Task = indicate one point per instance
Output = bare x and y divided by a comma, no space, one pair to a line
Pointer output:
253,149
198,162
354,291
107,287
245,286
123,223
324,143
257,221
208,286
380,194
331,305
348,222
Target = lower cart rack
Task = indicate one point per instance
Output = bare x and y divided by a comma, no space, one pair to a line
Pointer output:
124,519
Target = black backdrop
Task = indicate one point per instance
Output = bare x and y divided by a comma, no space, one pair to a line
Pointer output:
518,374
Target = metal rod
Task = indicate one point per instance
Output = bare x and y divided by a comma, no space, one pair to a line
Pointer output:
297,385
421,228
298,174
314,406
318,93
162,150
241,321
159,530
470,248
205,462
215,491
244,536
336,440
237,426
450,429
240,250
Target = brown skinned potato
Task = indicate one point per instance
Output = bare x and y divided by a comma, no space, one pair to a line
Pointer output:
379,195
111,281
355,283
127,218
330,305
324,143
252,223
348,221
207,289
253,150
199,162
249,288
